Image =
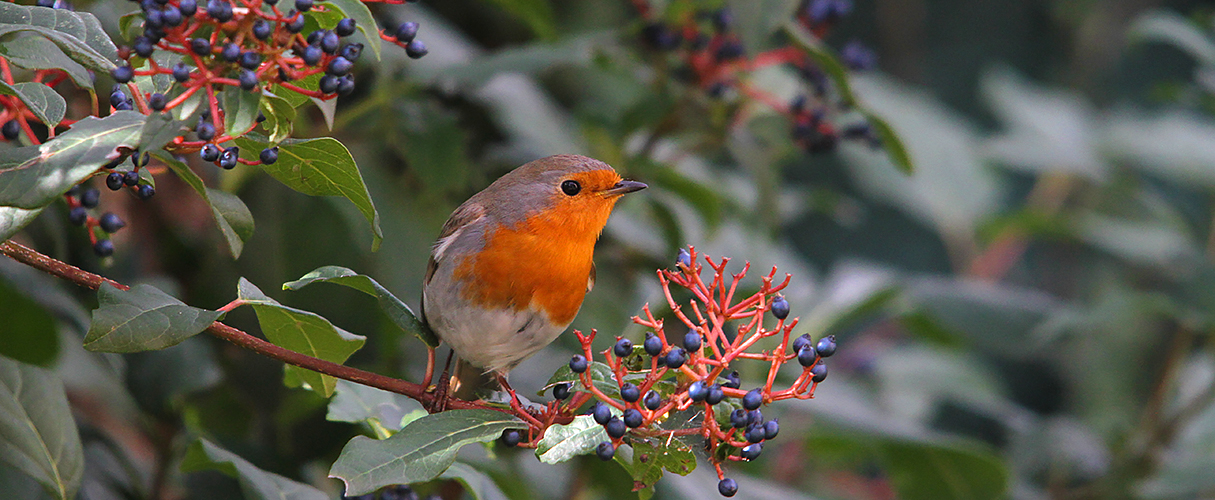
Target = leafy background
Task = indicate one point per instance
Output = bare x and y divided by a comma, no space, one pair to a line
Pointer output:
1026,316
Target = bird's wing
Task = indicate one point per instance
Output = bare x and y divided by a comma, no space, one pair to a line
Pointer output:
468,213
590,279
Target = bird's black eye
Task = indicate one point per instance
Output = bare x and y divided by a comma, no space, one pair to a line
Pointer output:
571,188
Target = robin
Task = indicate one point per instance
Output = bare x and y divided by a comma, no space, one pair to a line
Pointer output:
513,263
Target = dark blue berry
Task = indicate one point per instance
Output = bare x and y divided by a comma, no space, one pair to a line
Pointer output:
303,5
406,32
200,46
260,118
171,16
227,159
394,492
45,3
270,155
188,7
125,106
329,84
345,27
209,153
659,36
114,181
857,57
652,400
729,51
753,399
771,429
122,74
630,392
819,372
262,29
602,413
117,96
684,259
623,348
230,52
146,192
181,72
157,101
205,130
154,18
296,25
755,433
329,42
220,10
615,427
755,417
248,79
722,20
676,358
605,451
90,198
416,49
697,391
143,46
715,394
78,215
345,85
826,346
11,129
807,356
632,418
732,380
691,341
131,178
561,391
578,363
110,223
352,51
312,55
250,60
738,418
511,437
798,104
653,344
103,248
727,487
800,342
780,307
752,451
339,66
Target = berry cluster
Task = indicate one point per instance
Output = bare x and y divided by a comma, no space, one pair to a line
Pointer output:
710,56
657,378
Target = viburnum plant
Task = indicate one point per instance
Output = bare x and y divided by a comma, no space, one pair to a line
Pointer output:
221,83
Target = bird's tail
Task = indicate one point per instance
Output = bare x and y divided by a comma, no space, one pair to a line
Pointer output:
468,381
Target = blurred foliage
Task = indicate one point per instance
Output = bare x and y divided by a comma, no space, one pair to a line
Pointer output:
1026,316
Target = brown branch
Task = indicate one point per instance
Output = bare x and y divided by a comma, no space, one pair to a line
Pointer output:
49,265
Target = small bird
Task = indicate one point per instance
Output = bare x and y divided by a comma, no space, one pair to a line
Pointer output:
512,264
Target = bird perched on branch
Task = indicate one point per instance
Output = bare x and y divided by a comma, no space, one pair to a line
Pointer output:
513,263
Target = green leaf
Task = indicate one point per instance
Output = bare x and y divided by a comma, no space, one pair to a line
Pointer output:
34,176
422,451
254,482
158,130
46,104
563,442
318,167
937,471
303,332
537,14
231,215
78,34
363,22
359,403
35,52
649,458
37,432
476,483
27,333
240,109
142,319
328,109
400,313
756,20
1169,27
296,99
280,117
891,142
601,376
12,219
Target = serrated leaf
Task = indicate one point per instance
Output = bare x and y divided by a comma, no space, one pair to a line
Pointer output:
230,213
601,376
537,14
360,403
142,319
78,34
280,117
563,442
363,22
37,433
34,176
254,482
318,167
422,451
303,332
35,52
400,313
240,110
12,219
46,104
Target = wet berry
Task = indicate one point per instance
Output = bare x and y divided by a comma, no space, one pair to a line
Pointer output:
826,346
227,159
511,437
738,418
780,307
676,358
605,451
697,391
752,451
406,32
715,394
122,74
130,178
578,363
727,487
90,198
691,341
653,344
630,392
753,399
652,400
103,248
416,49
345,27
602,413
623,348
11,129
111,223
78,215
615,427
268,156
819,372
114,181
210,152
632,418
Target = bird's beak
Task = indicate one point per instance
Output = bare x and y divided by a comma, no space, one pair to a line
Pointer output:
624,187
